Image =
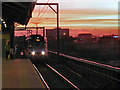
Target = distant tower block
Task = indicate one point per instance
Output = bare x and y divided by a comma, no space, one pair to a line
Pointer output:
52,33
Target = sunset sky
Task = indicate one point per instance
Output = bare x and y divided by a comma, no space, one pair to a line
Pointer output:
99,17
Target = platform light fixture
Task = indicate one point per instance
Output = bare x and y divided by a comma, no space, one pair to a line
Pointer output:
4,22
1,19
5,25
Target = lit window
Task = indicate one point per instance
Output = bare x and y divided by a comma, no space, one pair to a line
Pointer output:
64,34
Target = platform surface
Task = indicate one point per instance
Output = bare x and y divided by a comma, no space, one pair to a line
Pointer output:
19,73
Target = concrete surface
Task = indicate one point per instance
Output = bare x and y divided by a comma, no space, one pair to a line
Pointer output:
19,73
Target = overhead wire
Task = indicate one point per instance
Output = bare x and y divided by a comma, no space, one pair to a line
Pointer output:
44,11
39,12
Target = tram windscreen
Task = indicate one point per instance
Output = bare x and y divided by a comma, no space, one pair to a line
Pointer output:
36,41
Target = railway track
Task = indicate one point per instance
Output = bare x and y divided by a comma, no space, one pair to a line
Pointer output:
63,76
76,78
52,78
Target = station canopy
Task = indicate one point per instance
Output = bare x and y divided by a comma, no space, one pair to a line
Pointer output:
19,12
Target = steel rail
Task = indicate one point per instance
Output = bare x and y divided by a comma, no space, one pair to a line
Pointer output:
62,76
41,77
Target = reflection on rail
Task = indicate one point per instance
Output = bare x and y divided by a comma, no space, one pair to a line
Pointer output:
41,77
63,77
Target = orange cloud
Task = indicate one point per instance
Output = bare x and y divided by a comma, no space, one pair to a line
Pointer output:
91,20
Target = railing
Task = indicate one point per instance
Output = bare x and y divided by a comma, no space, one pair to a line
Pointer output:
103,69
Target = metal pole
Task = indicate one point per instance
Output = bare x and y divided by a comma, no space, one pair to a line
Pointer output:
58,30
11,40
43,32
36,29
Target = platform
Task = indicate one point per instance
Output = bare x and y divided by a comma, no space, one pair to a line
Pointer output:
19,73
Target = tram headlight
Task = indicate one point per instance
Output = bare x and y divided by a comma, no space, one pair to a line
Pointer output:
43,52
33,52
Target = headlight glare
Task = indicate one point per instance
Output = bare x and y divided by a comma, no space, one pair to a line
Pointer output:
33,53
43,52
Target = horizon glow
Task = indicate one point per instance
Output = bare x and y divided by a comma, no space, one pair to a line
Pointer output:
76,14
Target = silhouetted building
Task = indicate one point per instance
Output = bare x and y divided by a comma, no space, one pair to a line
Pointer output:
106,39
52,33
85,37
109,38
